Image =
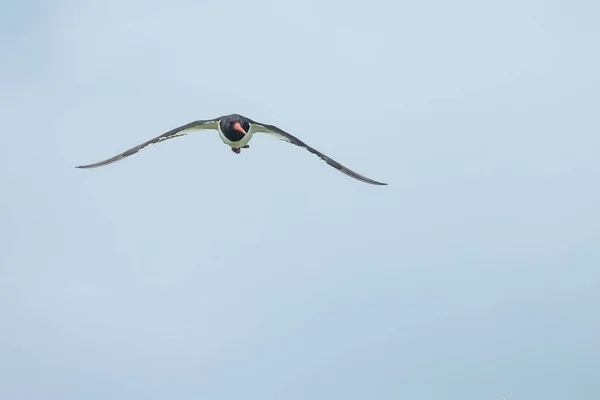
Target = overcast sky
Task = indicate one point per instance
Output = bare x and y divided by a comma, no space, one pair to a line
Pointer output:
189,272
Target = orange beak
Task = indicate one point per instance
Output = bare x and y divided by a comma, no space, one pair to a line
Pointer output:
239,128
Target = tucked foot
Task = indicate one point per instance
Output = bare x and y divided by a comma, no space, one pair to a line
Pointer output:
236,150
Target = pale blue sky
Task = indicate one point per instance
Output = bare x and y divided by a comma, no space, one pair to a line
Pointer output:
187,272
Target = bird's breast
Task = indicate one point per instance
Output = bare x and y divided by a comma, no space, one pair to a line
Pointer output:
234,138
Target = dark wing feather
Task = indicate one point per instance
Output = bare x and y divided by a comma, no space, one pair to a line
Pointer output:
283,135
173,133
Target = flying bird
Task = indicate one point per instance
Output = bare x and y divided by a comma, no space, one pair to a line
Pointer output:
235,131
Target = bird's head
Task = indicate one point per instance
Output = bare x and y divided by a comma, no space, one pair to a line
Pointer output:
235,124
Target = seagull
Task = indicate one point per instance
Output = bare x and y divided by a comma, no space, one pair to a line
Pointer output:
235,131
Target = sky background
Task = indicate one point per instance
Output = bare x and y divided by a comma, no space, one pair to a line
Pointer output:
188,272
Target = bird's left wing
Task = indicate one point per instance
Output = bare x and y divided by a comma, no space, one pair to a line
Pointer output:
173,133
281,134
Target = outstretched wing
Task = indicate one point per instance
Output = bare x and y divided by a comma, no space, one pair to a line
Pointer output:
173,133
283,135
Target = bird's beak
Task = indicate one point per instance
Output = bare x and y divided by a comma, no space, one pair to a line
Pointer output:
239,128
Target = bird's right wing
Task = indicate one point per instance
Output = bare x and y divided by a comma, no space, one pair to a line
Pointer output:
173,133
